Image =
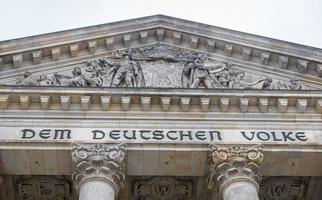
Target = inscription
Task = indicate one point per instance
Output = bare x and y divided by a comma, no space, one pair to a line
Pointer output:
47,134
162,135
174,135
284,136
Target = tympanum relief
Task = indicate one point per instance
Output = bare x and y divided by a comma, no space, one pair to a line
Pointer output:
158,66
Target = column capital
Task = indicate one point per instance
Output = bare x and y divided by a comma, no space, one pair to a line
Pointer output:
234,163
104,162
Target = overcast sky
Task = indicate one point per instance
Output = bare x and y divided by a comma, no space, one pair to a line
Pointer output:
298,21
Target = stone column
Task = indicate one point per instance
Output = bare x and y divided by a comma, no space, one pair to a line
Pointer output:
98,170
235,171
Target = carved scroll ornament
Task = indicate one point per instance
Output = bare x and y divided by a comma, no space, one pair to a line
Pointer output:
229,164
99,161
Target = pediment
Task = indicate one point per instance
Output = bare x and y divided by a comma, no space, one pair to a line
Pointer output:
159,66
162,52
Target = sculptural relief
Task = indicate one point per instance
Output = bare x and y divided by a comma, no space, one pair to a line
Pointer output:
158,66
283,188
43,187
162,188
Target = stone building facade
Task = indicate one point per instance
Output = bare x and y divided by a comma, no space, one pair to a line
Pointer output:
159,108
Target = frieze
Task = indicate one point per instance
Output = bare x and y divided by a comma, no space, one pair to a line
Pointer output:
162,188
137,135
283,188
43,187
158,66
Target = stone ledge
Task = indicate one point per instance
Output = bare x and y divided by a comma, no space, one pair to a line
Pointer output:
226,100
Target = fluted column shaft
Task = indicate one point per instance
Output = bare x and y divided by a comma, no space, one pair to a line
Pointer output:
98,170
235,172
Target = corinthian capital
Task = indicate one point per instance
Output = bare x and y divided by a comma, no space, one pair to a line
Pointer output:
99,162
234,163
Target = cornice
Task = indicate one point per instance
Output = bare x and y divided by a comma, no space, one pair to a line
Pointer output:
49,48
204,99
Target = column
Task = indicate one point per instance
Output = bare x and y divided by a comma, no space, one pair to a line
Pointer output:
235,171
99,170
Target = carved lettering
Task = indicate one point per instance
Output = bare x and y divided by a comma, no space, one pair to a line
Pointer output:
157,135
115,134
188,134
45,133
287,136
126,136
27,133
200,135
248,137
60,134
170,136
98,134
212,138
142,133
301,136
263,136
164,135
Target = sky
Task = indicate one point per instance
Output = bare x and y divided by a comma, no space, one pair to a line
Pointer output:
298,21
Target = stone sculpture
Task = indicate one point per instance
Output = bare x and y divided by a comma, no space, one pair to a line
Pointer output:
127,73
158,66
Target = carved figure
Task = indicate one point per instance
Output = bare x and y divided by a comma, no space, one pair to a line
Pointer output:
239,82
163,66
44,80
293,84
268,84
28,79
127,73
79,80
195,73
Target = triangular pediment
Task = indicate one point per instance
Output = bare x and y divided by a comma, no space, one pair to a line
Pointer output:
158,66
163,50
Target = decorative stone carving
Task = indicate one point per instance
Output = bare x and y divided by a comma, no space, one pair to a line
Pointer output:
99,161
163,188
283,188
234,163
158,66
43,187
293,84
28,79
127,73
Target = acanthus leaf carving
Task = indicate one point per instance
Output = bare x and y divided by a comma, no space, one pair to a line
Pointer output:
100,161
232,163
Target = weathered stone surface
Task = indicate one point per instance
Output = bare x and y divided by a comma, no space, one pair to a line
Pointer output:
240,190
159,66
43,187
